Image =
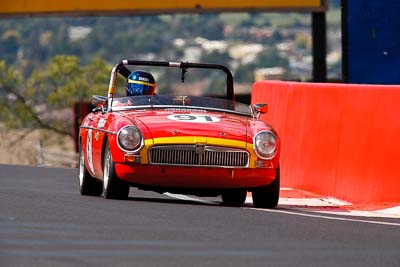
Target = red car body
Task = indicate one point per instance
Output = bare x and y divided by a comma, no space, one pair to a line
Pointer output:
204,149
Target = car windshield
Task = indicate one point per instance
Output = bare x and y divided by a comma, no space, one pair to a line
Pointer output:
180,102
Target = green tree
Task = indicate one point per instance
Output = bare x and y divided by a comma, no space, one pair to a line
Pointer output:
57,86
216,57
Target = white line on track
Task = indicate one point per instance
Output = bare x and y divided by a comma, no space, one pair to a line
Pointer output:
187,198
327,217
300,213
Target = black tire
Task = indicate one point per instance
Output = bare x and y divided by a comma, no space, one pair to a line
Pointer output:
88,185
234,198
267,196
113,187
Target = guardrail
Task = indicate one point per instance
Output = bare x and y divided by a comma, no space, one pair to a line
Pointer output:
339,140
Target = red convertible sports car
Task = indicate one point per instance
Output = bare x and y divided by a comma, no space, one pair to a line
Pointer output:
186,144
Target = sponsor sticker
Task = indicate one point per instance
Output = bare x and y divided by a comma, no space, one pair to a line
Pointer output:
96,136
101,123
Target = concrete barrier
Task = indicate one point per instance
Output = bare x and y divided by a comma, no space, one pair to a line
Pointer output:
339,140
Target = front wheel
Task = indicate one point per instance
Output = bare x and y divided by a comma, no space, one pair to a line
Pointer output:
87,184
267,196
234,197
114,188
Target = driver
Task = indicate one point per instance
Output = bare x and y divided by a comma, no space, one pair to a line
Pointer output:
140,83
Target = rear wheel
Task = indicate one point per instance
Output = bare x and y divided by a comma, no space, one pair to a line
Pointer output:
267,196
87,184
235,197
114,188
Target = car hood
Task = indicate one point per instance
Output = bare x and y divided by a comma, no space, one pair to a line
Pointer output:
202,125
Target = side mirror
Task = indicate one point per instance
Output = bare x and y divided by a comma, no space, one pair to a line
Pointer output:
260,109
99,102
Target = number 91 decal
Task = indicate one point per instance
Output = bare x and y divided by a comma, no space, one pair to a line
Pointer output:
193,118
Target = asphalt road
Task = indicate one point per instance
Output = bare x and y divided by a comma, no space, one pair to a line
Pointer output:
44,221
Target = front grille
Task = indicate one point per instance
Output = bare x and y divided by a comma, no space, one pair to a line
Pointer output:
199,155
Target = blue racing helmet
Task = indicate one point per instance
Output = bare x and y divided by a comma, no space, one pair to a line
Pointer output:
140,83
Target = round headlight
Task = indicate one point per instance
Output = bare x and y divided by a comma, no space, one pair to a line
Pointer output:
265,144
129,138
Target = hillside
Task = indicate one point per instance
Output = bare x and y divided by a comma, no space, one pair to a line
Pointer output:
244,41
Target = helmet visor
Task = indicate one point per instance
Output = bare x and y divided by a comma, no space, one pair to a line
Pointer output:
140,88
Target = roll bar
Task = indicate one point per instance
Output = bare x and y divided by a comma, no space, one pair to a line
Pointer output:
120,68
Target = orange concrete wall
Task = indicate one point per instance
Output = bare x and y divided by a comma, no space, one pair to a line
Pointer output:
337,139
